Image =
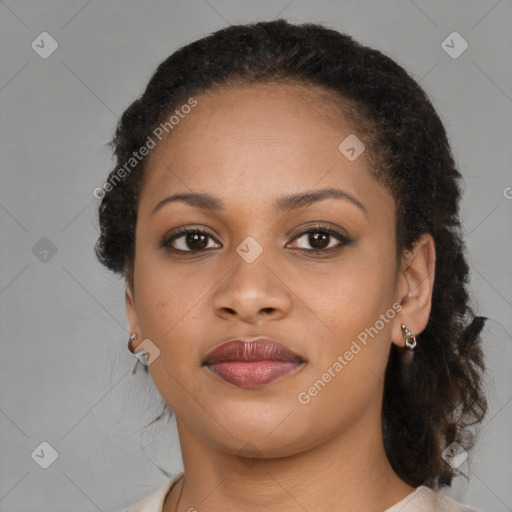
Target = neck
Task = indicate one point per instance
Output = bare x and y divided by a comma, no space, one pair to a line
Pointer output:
348,472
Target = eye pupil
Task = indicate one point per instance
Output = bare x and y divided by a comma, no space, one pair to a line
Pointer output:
318,239
192,240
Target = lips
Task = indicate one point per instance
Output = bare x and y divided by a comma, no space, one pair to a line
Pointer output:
260,349
252,363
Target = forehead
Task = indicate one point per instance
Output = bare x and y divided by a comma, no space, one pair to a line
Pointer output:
258,141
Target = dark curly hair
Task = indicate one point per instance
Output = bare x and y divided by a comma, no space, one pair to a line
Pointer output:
433,400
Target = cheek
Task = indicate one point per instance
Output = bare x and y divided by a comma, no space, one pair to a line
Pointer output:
167,295
348,364
171,303
168,303
356,304
357,292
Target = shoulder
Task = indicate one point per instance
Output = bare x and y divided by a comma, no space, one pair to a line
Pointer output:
155,501
424,499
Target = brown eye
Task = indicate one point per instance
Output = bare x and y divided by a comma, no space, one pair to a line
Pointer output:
196,240
321,240
188,240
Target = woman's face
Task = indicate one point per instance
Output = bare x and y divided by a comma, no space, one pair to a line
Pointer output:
256,273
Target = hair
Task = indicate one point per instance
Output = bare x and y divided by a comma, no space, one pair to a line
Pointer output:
436,398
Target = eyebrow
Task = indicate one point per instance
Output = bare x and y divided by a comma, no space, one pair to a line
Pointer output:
285,203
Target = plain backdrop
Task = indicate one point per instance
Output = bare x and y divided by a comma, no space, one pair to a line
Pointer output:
64,367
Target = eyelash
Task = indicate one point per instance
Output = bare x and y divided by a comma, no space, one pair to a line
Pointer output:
343,240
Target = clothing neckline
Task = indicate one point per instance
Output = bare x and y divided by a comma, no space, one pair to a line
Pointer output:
417,500
171,484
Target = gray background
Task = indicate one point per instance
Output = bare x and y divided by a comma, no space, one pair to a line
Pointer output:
64,367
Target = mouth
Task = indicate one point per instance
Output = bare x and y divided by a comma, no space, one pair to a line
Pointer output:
251,364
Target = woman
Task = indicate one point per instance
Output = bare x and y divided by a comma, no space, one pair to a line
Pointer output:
284,210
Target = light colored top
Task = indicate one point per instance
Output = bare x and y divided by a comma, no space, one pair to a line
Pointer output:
423,499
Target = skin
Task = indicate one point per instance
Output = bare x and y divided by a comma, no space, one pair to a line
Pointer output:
250,146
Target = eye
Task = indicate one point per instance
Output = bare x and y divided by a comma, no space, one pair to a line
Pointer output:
321,239
188,240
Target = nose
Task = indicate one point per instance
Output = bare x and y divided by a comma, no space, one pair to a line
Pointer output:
252,292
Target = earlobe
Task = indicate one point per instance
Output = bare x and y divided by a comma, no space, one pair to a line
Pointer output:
415,288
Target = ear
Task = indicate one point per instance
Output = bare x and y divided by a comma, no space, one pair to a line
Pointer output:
415,287
131,311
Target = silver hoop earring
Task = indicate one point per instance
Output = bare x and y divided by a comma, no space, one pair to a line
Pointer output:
131,348
410,338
